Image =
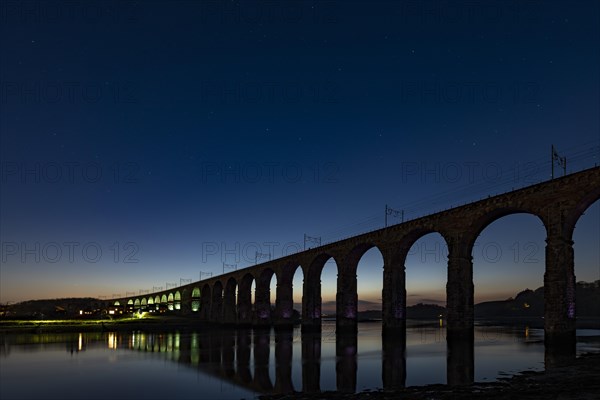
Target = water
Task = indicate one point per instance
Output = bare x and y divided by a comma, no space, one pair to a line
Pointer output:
235,364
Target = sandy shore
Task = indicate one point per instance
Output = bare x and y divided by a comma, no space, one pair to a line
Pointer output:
578,381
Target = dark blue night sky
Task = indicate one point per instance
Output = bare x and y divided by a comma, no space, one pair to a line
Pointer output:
175,136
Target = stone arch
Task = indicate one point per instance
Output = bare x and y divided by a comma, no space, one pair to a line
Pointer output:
150,300
163,299
311,290
117,303
585,256
195,305
347,293
205,302
144,302
394,274
170,302
177,300
482,222
284,300
579,209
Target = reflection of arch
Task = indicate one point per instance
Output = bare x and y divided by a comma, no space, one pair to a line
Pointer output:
216,310
229,302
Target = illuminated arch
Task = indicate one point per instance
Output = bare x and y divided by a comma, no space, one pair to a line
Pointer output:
137,302
170,302
150,301
117,303
177,299
195,299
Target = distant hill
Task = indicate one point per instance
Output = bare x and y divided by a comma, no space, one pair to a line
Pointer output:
530,303
51,308
418,311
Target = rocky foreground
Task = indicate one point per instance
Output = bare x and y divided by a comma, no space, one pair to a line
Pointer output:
578,381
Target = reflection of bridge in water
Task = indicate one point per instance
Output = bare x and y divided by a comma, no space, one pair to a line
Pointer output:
242,357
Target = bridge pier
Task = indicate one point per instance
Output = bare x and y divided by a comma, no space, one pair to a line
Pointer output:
229,304
244,304
459,290
284,303
559,293
346,300
311,303
262,303
216,309
394,291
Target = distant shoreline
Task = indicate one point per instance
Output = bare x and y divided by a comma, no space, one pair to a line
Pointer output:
181,323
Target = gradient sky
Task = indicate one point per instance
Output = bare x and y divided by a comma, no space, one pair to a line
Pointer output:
175,136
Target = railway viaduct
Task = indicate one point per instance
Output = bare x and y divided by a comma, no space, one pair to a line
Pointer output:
558,203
